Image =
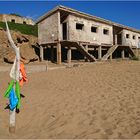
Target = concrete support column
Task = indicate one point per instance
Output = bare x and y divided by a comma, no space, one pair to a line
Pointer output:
123,54
59,33
137,52
110,57
59,53
52,54
116,40
99,52
41,53
59,36
69,55
86,48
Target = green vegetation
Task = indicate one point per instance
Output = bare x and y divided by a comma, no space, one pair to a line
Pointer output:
23,28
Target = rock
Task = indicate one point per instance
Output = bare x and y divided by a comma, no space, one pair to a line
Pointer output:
25,42
27,52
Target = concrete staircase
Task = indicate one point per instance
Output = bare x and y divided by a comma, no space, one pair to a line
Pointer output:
83,51
110,52
80,48
130,51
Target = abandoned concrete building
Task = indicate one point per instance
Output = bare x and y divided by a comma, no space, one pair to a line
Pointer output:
66,34
16,19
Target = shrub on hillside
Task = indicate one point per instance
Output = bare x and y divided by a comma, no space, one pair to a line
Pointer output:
23,28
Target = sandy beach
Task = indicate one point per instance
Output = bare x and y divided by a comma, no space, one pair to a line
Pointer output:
92,101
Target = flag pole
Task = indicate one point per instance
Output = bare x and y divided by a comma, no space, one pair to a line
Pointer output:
12,123
12,113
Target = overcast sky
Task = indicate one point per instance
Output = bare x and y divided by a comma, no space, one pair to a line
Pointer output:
124,12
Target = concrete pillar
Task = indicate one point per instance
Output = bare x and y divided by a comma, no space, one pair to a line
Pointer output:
123,54
137,52
86,48
99,52
69,55
52,54
59,36
41,53
110,57
59,53
59,32
116,40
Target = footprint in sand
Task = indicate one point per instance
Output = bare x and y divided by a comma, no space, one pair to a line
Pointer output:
108,127
108,131
104,136
103,117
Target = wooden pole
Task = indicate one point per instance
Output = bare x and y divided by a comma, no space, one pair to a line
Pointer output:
12,114
12,119
12,124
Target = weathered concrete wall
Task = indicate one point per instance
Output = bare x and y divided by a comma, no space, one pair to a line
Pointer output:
86,35
16,18
130,40
48,29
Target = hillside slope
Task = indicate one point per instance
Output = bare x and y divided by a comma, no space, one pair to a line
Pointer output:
27,44
23,28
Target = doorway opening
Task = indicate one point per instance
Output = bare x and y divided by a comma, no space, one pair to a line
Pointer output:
119,39
65,31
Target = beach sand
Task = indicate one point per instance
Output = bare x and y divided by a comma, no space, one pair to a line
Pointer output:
99,100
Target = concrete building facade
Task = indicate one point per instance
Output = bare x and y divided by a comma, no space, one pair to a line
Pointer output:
16,19
92,36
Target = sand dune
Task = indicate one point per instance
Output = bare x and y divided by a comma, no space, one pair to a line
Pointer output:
92,101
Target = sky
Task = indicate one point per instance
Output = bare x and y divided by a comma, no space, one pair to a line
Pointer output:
123,12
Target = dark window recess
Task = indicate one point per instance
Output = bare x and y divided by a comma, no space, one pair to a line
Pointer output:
24,22
94,29
127,36
134,37
13,20
106,32
79,26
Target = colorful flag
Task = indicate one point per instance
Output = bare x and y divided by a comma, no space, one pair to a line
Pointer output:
23,75
6,94
13,100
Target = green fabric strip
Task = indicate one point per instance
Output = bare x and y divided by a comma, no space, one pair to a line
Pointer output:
6,94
